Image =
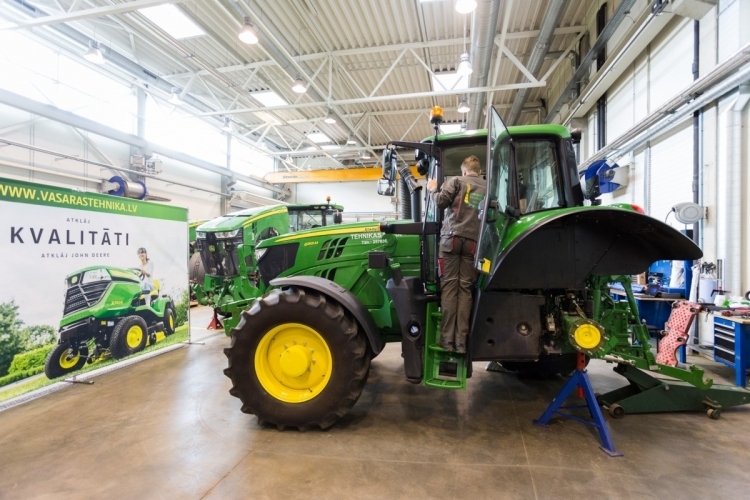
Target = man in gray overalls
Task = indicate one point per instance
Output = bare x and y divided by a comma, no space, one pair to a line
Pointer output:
458,243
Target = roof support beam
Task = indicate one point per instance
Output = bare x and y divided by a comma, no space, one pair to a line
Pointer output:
449,42
53,113
78,15
363,100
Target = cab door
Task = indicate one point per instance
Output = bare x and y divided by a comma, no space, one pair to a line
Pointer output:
499,193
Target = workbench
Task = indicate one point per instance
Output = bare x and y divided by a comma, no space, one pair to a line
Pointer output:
732,345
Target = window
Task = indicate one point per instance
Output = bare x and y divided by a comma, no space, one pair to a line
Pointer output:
45,75
538,175
167,126
249,161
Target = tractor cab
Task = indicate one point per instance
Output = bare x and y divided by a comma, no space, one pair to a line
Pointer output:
303,217
544,175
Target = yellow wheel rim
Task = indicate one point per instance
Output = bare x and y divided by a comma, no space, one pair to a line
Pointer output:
67,364
587,336
134,336
293,363
171,322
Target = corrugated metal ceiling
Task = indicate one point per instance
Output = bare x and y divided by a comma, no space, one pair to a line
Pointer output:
310,30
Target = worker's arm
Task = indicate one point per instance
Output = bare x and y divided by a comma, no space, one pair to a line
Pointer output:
445,196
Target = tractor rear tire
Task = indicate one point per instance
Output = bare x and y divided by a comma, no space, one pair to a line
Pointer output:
129,337
169,321
57,363
547,366
273,329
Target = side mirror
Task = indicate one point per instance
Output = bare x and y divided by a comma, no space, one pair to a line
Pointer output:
575,135
338,217
386,187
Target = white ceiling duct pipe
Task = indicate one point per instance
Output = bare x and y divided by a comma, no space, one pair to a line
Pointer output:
732,206
538,54
483,28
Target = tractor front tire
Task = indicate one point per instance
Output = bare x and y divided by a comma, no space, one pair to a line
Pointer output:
297,360
128,337
169,321
58,363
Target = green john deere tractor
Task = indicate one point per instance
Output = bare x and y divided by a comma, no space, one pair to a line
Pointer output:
300,354
107,313
223,273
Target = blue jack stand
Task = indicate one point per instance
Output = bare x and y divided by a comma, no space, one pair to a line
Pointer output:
580,380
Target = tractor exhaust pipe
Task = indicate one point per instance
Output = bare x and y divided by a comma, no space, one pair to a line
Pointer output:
414,189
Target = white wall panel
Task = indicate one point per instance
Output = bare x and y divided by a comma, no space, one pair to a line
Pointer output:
354,196
620,109
671,61
671,171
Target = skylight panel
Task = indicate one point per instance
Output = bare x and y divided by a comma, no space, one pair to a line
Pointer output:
269,98
449,81
172,20
319,137
449,128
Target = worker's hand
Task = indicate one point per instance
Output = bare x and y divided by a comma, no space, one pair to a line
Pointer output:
432,185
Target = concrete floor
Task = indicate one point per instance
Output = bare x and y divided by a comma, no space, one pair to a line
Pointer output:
167,428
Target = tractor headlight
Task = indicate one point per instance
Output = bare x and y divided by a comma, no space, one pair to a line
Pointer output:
259,253
200,235
95,275
228,234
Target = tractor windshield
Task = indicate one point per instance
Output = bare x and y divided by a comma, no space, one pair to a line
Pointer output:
219,256
453,157
538,173
308,219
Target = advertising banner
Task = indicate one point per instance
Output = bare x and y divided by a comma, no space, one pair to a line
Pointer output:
88,279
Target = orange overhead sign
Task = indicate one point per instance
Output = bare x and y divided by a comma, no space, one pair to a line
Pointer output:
335,175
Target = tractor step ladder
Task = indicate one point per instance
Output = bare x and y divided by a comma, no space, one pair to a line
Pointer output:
442,369
580,380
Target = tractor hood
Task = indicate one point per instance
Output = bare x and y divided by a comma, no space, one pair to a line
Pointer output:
357,228
562,248
118,273
240,219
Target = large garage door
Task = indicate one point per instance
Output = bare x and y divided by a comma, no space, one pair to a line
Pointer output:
672,171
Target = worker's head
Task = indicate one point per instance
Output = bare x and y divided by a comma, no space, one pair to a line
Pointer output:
470,165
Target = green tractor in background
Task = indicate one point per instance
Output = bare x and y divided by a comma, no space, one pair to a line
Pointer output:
107,313
223,270
301,353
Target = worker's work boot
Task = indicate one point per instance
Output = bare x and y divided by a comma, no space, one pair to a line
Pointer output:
461,343
446,343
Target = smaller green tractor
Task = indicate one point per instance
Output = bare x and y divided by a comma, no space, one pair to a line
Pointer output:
223,270
107,313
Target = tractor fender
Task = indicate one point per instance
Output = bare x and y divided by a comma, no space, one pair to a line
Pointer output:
564,249
347,299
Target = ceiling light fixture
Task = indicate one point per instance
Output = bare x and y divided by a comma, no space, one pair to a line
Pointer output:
247,33
227,126
299,83
329,117
366,155
94,53
463,106
351,139
464,66
174,97
299,86
465,6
